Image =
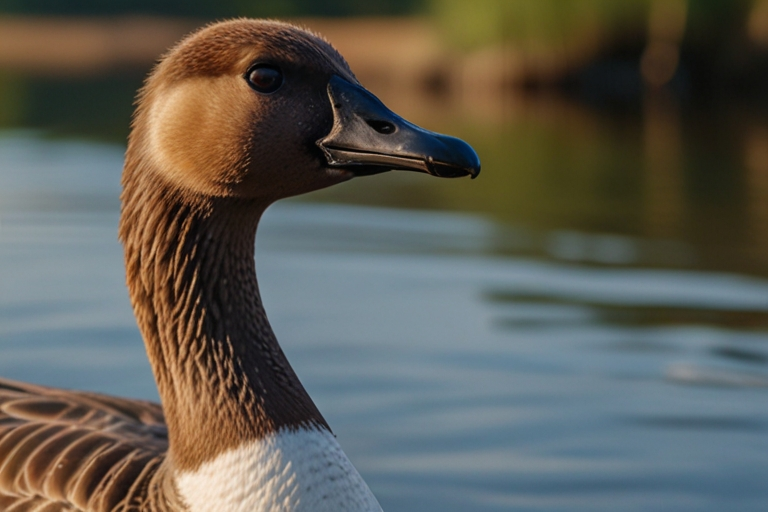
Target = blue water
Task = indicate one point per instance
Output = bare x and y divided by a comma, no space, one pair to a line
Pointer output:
456,378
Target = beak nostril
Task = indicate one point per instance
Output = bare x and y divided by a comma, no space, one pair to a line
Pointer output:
383,127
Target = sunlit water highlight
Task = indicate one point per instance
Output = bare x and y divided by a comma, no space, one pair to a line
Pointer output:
455,378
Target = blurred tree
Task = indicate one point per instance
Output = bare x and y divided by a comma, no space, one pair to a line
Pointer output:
99,7
213,8
482,22
12,97
708,18
328,8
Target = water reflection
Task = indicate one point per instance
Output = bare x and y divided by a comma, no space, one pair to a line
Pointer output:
666,311
756,165
690,183
465,363
664,171
568,337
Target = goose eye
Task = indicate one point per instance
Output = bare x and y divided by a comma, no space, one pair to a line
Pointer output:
264,78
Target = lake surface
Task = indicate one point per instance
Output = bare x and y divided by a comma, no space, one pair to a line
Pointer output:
543,338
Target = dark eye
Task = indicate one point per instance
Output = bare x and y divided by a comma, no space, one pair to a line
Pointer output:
264,78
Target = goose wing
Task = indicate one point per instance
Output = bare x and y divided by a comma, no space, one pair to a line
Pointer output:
66,450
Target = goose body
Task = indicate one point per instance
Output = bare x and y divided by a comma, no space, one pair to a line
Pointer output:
236,116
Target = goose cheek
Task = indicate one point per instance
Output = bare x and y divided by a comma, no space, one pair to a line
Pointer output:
195,134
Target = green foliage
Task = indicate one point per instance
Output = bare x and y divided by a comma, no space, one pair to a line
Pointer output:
12,99
480,22
95,107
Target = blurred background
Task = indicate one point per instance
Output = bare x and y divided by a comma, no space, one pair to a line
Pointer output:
632,117
583,327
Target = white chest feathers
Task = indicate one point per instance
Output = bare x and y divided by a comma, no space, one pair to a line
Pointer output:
291,471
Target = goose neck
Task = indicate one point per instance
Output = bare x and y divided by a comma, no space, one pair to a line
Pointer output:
223,378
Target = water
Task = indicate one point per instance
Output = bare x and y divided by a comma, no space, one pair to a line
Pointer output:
465,361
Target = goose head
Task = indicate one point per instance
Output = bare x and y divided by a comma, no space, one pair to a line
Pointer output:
265,110
236,116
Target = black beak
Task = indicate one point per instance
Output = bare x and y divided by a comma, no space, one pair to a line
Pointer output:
368,138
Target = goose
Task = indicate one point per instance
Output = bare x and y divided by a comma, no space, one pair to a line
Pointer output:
237,115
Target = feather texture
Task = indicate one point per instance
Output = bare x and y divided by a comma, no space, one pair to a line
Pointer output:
67,450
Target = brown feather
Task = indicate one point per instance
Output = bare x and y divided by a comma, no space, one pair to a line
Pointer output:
60,449
205,158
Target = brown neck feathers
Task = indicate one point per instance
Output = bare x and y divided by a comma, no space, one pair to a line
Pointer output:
222,377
